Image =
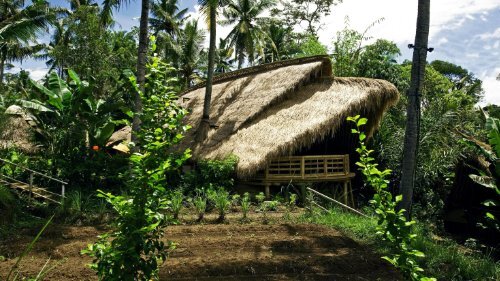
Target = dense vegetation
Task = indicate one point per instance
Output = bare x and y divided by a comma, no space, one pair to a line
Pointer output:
94,88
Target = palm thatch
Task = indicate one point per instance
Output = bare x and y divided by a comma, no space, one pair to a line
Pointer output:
275,110
16,130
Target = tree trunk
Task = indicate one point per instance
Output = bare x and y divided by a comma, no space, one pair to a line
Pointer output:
141,72
205,120
413,110
2,66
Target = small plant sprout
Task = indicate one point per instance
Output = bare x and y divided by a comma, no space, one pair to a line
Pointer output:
245,205
221,201
176,199
235,201
200,204
290,206
263,206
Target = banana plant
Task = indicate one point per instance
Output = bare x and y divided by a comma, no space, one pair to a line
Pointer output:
490,178
61,104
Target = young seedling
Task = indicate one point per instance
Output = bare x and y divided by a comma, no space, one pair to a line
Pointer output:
245,206
220,199
290,206
262,206
235,201
176,200
200,204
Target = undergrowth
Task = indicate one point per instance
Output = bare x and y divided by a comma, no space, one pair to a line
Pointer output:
444,259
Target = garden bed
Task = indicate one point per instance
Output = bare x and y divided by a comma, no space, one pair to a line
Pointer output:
231,251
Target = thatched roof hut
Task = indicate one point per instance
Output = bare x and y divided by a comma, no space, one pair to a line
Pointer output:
16,130
278,109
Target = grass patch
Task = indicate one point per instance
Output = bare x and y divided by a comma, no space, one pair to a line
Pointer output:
445,259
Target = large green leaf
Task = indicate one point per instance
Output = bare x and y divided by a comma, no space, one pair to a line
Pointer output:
485,181
74,77
103,133
493,127
34,105
61,89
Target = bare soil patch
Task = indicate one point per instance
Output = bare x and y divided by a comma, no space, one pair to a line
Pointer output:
216,252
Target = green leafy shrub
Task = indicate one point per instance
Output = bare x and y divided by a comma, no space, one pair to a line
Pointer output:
490,178
212,173
134,250
392,225
7,203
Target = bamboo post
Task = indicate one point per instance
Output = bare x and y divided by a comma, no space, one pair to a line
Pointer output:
302,167
267,190
346,194
31,186
63,192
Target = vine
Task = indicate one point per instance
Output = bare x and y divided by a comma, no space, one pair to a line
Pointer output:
392,225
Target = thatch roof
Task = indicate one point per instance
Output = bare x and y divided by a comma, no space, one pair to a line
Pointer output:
279,108
16,130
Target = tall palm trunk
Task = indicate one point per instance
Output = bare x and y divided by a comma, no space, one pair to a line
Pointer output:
205,120
413,110
141,71
2,66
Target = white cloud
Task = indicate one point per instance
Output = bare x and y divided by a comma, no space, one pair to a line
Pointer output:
442,41
36,73
492,87
453,30
493,35
400,17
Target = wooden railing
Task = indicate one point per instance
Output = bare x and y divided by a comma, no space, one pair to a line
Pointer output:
308,167
30,187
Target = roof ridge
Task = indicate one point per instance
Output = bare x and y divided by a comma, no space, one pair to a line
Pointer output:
223,77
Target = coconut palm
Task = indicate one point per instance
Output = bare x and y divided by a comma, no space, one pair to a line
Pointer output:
223,61
281,44
247,36
191,43
209,8
19,28
106,14
410,150
167,17
60,38
166,22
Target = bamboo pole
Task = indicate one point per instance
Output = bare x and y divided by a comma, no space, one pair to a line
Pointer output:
337,202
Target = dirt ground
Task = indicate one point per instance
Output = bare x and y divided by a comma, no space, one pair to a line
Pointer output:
215,252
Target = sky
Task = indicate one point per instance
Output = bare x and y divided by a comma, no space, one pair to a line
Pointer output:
463,32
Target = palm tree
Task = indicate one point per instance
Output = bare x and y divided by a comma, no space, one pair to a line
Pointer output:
281,44
413,109
191,43
166,22
19,28
60,39
108,6
167,17
209,9
223,62
247,36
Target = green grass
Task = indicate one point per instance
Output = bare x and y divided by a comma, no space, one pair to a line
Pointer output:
445,259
